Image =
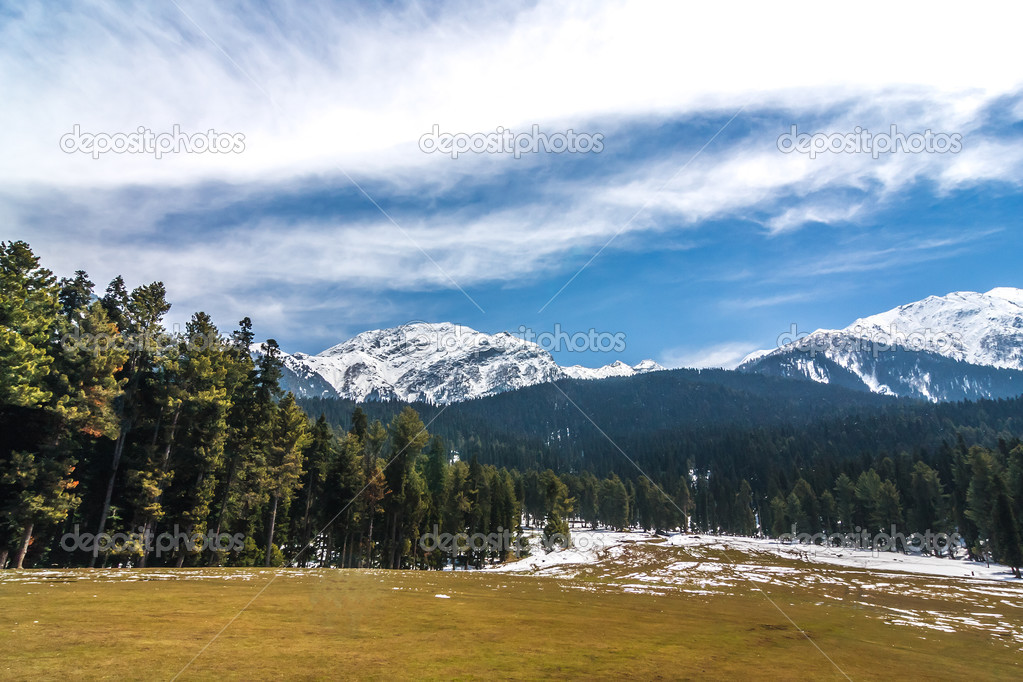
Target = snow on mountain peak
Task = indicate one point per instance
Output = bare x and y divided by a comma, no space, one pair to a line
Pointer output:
756,355
438,362
984,330
1011,294
968,326
615,369
644,366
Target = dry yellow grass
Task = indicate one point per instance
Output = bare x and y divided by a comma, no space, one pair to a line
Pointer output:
329,624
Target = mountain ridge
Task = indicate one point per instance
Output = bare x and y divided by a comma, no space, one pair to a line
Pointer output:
963,345
439,363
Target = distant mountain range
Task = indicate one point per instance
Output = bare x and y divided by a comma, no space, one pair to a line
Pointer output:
962,346
437,363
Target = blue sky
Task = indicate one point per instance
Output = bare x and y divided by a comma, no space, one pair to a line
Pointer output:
689,232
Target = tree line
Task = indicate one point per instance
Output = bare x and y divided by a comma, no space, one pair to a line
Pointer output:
109,422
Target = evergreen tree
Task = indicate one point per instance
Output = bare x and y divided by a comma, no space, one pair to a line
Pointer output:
1005,534
926,498
408,438
284,461
86,378
845,501
205,375
980,495
614,503
745,522
868,501
28,322
75,294
138,317
780,521
36,491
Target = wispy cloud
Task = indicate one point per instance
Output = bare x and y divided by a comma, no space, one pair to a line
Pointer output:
902,254
325,92
726,355
751,302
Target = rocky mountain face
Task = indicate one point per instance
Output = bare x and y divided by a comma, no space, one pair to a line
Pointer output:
965,345
438,363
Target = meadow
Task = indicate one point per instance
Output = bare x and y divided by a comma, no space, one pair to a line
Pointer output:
643,610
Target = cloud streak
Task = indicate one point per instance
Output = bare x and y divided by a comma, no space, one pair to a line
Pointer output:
322,93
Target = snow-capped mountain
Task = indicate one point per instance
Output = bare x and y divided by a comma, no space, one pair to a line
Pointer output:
964,345
440,363
615,369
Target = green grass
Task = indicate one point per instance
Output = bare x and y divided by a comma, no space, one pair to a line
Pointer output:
384,625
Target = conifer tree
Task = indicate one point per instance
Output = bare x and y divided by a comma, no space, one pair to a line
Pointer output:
204,370
980,495
36,490
138,317
926,498
408,437
745,520
1005,533
28,319
283,473
614,503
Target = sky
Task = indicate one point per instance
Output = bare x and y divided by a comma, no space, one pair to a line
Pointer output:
685,226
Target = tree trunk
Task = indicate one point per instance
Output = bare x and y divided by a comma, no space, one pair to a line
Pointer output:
26,540
308,507
223,508
270,535
3,558
146,530
369,548
395,560
349,538
118,450
393,541
163,470
170,439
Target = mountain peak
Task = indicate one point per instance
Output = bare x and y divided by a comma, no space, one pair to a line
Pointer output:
939,348
1010,294
439,362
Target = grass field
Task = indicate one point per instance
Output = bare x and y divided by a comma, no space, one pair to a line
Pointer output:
651,611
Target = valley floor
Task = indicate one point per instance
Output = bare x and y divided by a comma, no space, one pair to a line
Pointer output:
630,604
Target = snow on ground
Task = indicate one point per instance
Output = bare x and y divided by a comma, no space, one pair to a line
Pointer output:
928,593
587,548
591,547
948,595
856,558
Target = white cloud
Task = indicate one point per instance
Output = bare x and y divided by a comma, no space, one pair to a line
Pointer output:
769,301
726,355
320,91
824,212
315,86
